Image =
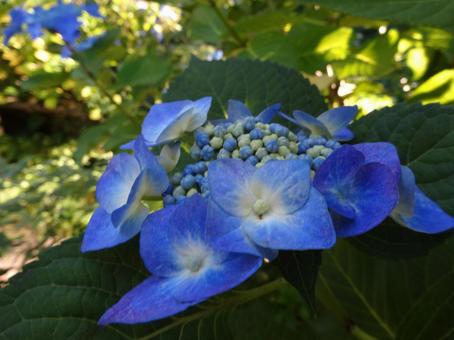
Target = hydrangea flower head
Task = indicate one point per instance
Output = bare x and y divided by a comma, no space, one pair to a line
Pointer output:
273,207
186,268
19,18
360,190
331,124
127,179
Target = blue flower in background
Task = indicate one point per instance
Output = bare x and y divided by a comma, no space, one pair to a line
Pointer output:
417,211
82,45
360,185
186,269
127,179
236,110
270,208
331,124
62,18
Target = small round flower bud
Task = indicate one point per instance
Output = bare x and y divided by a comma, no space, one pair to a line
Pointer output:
230,144
169,200
200,167
272,146
209,128
195,152
330,144
253,160
189,170
314,151
261,125
283,141
216,142
191,192
291,156
223,153
178,191
245,152
230,127
235,153
305,157
267,158
302,135
256,144
199,179
326,152
220,131
187,182
176,178
207,152
293,147
256,134
201,138
244,140
283,151
238,130
261,152
249,124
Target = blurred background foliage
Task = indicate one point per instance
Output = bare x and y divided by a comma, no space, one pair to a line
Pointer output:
62,117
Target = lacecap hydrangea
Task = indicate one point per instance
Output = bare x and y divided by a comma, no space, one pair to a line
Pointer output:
253,187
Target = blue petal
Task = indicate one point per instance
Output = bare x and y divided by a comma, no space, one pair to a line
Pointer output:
225,233
267,115
93,10
227,180
343,135
199,113
311,123
114,186
150,300
417,211
236,110
160,117
334,177
288,181
101,233
373,193
168,228
381,152
129,218
338,118
308,228
169,156
18,19
233,270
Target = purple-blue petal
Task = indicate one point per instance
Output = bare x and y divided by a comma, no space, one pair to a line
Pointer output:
101,233
381,152
267,115
343,135
227,179
311,123
338,118
373,193
288,180
236,110
308,228
151,300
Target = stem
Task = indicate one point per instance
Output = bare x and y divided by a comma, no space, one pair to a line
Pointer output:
241,298
227,24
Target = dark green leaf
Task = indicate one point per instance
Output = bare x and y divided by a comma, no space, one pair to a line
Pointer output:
143,71
206,25
421,12
259,84
300,269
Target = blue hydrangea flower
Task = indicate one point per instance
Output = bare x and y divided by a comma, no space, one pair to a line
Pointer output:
261,210
360,185
186,268
62,18
236,110
82,45
167,122
127,179
19,18
331,124
417,211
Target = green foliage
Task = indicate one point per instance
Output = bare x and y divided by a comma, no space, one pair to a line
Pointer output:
409,12
257,84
